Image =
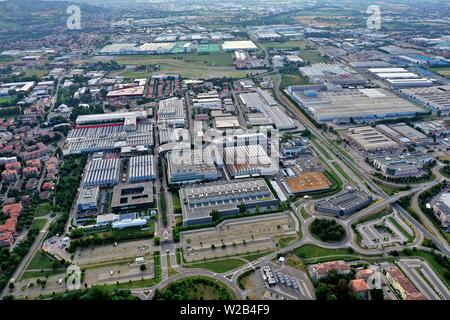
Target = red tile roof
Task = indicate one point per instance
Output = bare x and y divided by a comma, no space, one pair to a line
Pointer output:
359,285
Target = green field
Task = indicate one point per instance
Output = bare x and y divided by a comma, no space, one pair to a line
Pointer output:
314,254
40,261
7,100
291,79
218,266
42,274
43,209
300,44
176,202
38,223
443,71
197,66
211,47
134,74
343,173
38,73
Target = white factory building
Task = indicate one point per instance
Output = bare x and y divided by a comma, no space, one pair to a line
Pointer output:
172,112
102,173
249,161
239,45
141,168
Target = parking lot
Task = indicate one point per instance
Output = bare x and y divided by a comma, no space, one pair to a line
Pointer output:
385,231
112,252
233,237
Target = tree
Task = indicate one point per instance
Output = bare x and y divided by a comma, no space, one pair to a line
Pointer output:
142,267
377,294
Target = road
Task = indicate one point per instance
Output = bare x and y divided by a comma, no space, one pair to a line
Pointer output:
26,260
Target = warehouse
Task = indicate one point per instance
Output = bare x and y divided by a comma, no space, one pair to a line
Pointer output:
141,168
136,196
239,45
184,166
230,122
345,105
402,165
102,173
136,92
115,117
417,138
337,74
399,77
207,103
263,102
436,98
156,47
172,112
345,203
118,49
249,160
437,128
108,138
394,135
226,198
369,140
308,182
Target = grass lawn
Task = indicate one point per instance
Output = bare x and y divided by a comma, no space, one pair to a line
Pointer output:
322,150
374,216
344,174
283,242
315,254
443,71
255,256
301,44
401,229
38,73
176,202
134,233
135,74
39,223
43,274
43,209
7,100
388,189
305,214
211,65
292,79
218,266
41,260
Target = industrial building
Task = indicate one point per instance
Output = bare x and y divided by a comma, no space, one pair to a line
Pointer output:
239,45
101,172
225,197
106,137
436,128
437,98
399,78
228,122
125,118
402,165
132,197
369,140
336,74
88,199
185,165
404,134
346,105
207,101
262,102
136,92
172,113
344,203
249,161
308,182
141,168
